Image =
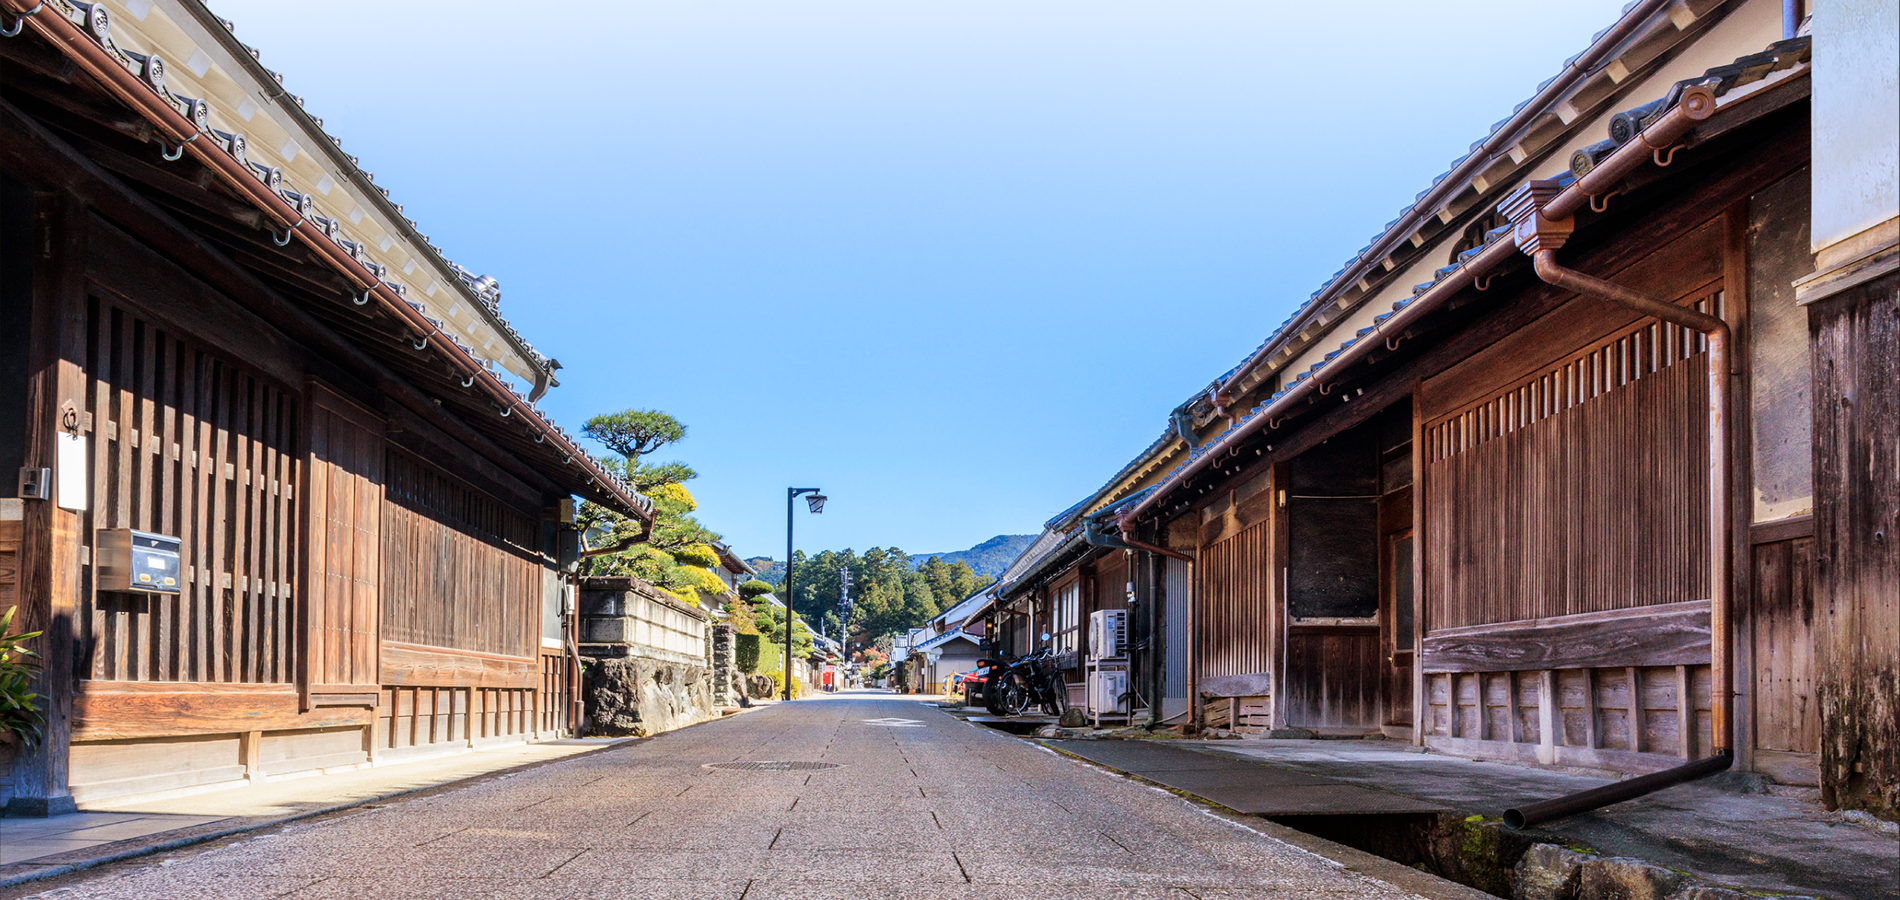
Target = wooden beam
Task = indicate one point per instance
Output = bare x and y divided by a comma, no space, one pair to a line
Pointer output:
418,665
1549,716
1677,634
106,711
137,276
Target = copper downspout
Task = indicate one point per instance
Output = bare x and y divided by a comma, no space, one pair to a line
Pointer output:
173,125
1694,105
1717,332
1537,232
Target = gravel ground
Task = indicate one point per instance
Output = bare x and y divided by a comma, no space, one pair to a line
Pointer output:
921,806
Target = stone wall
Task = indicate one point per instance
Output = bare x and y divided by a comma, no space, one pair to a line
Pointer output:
636,696
648,666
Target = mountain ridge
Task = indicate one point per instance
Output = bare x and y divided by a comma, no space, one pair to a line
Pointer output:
988,558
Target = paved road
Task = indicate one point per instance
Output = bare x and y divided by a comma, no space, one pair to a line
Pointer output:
922,807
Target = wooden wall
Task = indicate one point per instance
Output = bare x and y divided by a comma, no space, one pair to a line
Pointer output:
1233,610
1581,488
1587,717
344,562
1857,542
186,442
459,567
1786,708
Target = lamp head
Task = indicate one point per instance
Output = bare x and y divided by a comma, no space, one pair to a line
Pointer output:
816,502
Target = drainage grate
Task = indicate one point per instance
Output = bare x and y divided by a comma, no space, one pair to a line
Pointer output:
768,765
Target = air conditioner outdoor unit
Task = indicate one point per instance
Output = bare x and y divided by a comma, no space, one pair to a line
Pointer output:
1108,633
1108,692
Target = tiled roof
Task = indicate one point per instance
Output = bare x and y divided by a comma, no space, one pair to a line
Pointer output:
347,224
1721,80
1638,42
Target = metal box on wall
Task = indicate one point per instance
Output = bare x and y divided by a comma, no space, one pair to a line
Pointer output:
128,560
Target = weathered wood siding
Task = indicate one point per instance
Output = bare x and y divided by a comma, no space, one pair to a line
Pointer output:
459,567
344,498
1857,541
1787,712
186,442
1582,717
1581,488
1233,633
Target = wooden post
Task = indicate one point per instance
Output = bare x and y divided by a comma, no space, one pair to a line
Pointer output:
250,744
1685,714
1635,683
50,579
1549,716
1590,729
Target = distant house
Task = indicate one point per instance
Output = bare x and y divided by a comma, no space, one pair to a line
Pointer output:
276,487
946,647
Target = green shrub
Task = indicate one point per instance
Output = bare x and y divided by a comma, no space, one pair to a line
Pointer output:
754,588
778,685
20,714
745,652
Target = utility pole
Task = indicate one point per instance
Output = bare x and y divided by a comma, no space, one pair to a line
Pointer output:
844,621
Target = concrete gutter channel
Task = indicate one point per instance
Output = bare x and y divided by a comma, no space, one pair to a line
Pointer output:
1727,838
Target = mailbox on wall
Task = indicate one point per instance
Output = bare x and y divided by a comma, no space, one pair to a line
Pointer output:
138,561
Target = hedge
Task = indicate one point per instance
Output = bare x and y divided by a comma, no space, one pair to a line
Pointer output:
745,652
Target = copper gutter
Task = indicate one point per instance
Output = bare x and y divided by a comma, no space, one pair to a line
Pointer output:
1538,232
1695,104
1500,140
1717,332
173,125
1151,548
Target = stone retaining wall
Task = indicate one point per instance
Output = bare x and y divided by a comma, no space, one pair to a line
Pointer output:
636,696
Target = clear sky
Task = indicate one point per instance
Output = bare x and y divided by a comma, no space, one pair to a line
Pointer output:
951,262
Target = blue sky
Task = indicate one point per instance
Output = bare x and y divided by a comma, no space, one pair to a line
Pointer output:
951,262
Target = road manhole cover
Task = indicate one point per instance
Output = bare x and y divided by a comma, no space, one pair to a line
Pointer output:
766,765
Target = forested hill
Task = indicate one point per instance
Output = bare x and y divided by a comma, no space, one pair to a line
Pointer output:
988,558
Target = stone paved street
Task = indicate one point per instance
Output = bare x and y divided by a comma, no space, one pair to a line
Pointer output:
922,806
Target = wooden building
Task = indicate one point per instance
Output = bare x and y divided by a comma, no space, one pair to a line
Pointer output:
1588,459
221,342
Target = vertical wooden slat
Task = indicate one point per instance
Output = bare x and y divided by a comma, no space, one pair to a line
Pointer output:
219,561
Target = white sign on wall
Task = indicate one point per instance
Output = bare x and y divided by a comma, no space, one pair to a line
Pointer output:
70,490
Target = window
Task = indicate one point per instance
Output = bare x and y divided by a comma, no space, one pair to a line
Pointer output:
1063,612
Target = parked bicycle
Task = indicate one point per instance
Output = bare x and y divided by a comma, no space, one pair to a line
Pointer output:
1014,686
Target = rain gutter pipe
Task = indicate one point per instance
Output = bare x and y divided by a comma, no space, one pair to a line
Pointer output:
1498,142
173,125
1538,233
1695,104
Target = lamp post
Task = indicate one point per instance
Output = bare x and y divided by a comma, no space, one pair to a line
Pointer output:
817,504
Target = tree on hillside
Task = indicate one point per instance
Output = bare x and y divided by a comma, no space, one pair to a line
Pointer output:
888,592
951,582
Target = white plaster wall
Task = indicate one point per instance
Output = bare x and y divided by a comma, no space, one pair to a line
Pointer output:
1856,117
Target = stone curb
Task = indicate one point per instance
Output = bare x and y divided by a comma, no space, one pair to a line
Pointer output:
27,871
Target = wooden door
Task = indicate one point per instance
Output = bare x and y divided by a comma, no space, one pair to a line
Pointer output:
343,517
1398,638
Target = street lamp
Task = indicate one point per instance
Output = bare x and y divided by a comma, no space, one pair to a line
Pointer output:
816,502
